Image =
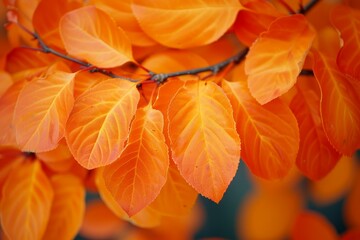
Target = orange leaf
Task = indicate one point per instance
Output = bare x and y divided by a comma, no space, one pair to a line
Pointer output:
254,19
269,133
146,218
41,111
185,23
347,21
124,17
68,207
177,197
7,107
6,82
204,142
340,110
277,57
99,123
9,158
47,17
352,207
85,80
26,202
316,156
90,34
137,177
313,226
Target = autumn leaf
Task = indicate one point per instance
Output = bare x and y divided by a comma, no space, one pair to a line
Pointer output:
339,106
269,133
47,16
137,177
41,111
9,158
186,23
316,156
204,142
313,226
99,124
67,209
277,57
254,19
6,82
26,202
90,34
347,21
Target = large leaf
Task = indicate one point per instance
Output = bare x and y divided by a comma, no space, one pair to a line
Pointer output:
99,123
68,207
47,17
124,17
347,21
339,108
204,142
26,202
254,19
90,34
7,107
185,23
269,133
316,156
41,111
137,177
277,57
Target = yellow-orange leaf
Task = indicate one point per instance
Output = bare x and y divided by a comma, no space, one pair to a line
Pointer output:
277,57
47,16
41,111
6,82
316,156
185,23
26,202
177,197
7,107
68,207
313,226
137,177
204,142
339,108
269,133
347,21
90,34
99,123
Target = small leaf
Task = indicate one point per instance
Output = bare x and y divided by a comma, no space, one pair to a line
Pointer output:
347,21
99,124
313,226
316,157
186,23
204,142
68,208
137,177
41,111
277,57
269,133
90,34
26,202
339,108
